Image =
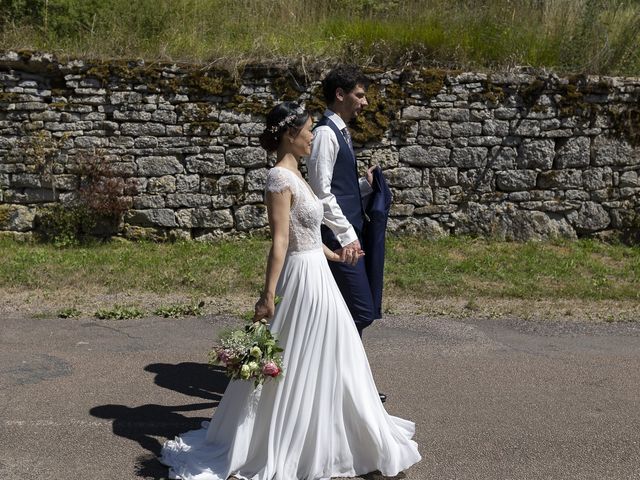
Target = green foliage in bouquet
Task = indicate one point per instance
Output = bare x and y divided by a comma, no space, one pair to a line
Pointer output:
250,353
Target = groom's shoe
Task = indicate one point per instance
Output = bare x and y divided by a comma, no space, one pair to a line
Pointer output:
383,397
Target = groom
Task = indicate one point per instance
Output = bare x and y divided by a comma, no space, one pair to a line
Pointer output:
333,176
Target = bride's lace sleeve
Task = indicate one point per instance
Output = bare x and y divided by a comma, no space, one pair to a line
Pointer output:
278,181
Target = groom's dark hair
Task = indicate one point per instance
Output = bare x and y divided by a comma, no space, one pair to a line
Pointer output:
346,77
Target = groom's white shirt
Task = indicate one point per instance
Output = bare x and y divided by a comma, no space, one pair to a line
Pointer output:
324,154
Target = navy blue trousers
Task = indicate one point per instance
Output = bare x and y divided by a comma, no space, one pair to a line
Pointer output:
354,286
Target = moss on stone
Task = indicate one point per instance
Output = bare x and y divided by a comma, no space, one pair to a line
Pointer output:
5,216
8,97
316,105
430,82
285,88
571,102
209,82
249,105
137,233
190,78
210,126
372,124
25,55
626,123
532,92
491,93
402,128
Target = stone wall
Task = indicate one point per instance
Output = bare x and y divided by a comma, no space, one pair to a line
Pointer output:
510,155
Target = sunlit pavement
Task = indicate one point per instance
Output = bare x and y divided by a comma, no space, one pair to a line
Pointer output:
491,399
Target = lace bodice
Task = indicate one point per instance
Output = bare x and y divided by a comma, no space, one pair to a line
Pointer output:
306,210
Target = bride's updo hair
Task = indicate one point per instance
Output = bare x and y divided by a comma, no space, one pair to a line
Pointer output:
284,117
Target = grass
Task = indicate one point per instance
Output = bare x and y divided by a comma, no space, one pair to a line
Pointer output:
416,269
592,36
148,267
581,270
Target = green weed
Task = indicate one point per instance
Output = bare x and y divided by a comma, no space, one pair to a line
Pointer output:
180,310
119,312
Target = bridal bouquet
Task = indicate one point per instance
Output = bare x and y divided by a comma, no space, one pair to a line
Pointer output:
249,353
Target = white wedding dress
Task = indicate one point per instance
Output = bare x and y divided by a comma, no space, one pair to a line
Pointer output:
323,418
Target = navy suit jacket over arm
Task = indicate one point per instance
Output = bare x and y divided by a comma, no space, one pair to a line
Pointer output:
373,237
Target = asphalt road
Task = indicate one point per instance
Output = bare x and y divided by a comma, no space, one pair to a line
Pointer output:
492,399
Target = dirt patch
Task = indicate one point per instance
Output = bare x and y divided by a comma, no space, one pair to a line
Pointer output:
569,310
44,304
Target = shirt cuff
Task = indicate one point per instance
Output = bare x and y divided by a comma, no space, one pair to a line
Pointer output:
347,237
365,188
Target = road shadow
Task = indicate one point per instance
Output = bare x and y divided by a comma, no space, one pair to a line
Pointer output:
144,423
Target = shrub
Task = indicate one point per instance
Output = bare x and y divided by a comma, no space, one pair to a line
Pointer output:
65,225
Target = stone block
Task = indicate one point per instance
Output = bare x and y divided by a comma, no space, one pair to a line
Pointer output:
385,158
142,129
443,176
573,153
404,177
231,184
87,142
249,157
466,129
425,157
181,200
141,202
400,210
469,157
499,128
484,141
516,180
560,179
30,180
525,128
146,142
418,196
628,179
187,183
478,180
256,179
157,217
453,114
249,217
591,217
414,112
132,116
158,166
536,154
425,227
613,151
505,113
16,218
66,182
30,195
205,218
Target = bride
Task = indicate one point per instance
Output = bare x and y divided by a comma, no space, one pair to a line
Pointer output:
324,418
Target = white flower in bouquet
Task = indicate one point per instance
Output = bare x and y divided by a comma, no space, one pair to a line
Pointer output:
250,353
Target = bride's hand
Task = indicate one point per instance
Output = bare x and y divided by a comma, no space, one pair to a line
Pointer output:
265,307
340,256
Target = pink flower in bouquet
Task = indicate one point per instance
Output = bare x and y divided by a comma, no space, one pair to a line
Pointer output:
224,356
271,369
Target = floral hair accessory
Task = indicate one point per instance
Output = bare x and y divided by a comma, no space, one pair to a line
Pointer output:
287,120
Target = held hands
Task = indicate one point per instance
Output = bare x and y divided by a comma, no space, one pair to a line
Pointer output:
351,253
